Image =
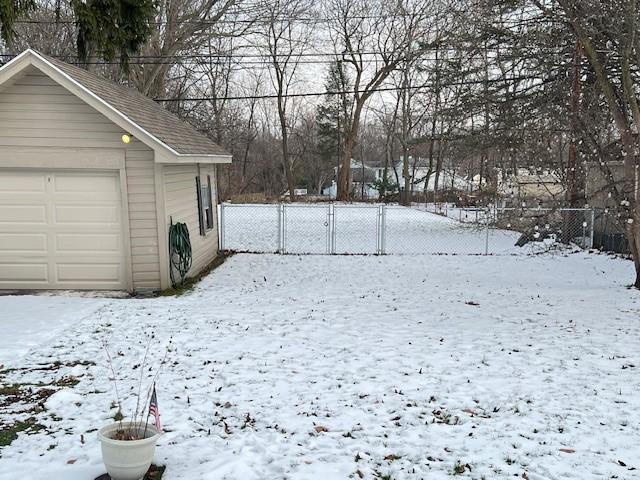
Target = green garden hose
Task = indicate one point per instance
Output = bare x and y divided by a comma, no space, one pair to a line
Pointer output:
179,252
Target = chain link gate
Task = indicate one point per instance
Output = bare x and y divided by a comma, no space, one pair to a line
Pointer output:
351,229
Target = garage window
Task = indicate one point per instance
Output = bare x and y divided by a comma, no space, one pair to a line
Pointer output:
205,205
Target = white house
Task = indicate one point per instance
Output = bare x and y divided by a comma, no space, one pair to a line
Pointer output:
418,172
91,175
362,178
530,183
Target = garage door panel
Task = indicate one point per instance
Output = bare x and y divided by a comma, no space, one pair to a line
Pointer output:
87,272
26,199
61,230
23,272
23,184
23,213
96,243
23,242
78,183
87,214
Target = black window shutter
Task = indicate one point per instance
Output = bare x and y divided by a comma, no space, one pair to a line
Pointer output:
199,197
211,206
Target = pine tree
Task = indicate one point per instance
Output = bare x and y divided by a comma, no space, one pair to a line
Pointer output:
10,11
333,114
109,28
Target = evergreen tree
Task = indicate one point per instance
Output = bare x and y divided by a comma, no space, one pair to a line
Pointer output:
108,28
10,11
333,114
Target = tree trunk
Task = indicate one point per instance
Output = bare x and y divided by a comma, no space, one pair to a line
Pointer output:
285,154
406,175
385,171
430,169
572,164
427,179
632,227
351,136
287,168
436,181
632,233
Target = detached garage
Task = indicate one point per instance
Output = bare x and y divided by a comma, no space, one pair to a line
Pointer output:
91,176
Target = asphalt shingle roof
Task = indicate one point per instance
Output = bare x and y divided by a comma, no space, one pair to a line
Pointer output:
147,114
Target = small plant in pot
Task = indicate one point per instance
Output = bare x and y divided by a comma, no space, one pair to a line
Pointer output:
128,446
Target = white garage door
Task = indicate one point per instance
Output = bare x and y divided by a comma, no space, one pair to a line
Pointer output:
60,230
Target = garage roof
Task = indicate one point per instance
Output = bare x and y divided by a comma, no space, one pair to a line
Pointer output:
134,112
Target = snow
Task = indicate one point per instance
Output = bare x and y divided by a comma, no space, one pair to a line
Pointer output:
303,367
30,321
63,400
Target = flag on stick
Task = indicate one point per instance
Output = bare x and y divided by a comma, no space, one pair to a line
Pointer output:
153,409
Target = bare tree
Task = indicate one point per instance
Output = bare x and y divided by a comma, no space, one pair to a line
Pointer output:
373,37
51,38
285,40
618,88
182,27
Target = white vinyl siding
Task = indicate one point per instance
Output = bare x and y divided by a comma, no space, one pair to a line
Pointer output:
181,205
143,226
36,112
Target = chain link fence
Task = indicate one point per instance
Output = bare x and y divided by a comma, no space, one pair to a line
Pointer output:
393,229
609,234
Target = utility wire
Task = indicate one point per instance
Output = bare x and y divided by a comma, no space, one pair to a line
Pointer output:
502,22
342,92
337,55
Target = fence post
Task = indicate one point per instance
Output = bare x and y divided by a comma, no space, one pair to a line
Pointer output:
330,230
332,243
222,226
282,223
378,229
593,225
486,228
383,230
327,232
279,224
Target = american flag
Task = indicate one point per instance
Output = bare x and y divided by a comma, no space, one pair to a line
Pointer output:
153,409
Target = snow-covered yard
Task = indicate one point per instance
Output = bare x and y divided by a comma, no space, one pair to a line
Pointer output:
400,367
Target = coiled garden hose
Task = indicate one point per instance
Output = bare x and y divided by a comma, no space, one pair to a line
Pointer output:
179,252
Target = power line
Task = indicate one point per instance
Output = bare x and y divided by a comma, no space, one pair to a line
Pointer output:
234,54
344,92
267,59
204,21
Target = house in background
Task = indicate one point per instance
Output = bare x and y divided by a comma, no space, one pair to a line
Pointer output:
608,232
363,176
419,171
91,176
540,186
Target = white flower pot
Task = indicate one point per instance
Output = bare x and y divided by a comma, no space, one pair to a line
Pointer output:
127,459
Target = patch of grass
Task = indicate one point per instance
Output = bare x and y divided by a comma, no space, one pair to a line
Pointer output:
9,433
66,382
10,390
191,282
33,393
47,367
459,468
